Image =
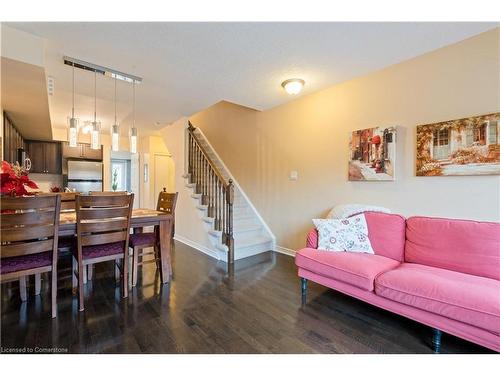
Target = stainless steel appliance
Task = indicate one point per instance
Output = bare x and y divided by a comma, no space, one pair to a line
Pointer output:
84,176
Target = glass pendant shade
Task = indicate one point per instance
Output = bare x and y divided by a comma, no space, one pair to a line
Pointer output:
72,132
133,140
115,137
73,121
95,135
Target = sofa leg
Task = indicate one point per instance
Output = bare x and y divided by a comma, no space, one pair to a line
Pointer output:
436,340
303,284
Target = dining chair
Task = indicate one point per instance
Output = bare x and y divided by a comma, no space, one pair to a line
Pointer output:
102,226
88,271
139,241
29,230
65,243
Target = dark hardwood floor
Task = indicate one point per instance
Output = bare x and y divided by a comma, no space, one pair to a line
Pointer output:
204,310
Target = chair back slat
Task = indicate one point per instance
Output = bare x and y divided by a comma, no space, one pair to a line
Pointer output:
96,213
29,225
28,203
40,217
103,219
109,200
99,226
103,238
167,202
67,199
108,193
27,248
25,233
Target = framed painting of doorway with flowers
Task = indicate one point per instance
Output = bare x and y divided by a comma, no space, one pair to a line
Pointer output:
372,154
464,147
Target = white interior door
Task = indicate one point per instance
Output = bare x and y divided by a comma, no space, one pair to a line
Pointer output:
161,174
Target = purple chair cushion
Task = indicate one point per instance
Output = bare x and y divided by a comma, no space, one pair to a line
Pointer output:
97,251
25,262
142,239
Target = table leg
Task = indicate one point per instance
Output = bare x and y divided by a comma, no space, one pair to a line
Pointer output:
165,234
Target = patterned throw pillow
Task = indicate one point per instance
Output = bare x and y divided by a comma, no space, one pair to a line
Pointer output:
349,234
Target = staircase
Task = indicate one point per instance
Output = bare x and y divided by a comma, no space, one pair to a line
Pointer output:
234,227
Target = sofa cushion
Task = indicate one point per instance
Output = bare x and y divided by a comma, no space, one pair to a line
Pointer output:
467,246
385,231
348,234
358,269
467,298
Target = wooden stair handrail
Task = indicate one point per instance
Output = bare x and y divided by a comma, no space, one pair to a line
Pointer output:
219,197
191,129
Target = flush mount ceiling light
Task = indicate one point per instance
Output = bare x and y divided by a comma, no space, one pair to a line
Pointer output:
293,86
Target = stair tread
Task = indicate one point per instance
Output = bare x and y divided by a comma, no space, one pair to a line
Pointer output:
243,218
247,228
236,230
257,240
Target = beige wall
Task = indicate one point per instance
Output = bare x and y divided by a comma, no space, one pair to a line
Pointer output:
150,146
189,227
311,135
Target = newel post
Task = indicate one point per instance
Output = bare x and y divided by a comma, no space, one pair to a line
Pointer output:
230,239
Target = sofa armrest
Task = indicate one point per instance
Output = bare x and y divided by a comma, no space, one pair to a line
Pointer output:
312,239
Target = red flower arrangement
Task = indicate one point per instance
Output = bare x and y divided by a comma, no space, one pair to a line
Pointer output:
14,180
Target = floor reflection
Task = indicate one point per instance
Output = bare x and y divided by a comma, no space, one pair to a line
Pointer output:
206,308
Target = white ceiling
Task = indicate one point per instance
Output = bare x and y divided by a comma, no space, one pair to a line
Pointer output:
187,67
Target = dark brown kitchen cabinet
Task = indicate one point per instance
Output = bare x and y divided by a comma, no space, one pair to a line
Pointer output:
45,157
12,140
81,151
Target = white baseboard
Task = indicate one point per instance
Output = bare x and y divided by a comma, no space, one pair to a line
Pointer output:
204,249
284,250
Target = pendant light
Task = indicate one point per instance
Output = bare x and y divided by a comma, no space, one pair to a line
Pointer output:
73,121
95,132
115,131
133,130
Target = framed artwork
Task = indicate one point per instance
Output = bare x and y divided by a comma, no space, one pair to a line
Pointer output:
464,147
372,154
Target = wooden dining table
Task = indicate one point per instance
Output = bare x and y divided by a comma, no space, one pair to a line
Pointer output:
141,217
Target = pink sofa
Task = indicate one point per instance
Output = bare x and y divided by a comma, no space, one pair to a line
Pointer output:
443,273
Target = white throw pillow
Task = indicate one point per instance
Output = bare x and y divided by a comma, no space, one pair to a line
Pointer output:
341,211
344,234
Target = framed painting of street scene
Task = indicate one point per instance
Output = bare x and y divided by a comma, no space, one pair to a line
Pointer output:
464,147
372,154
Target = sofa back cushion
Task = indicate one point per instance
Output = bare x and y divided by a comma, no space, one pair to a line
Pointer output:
385,231
387,234
466,246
